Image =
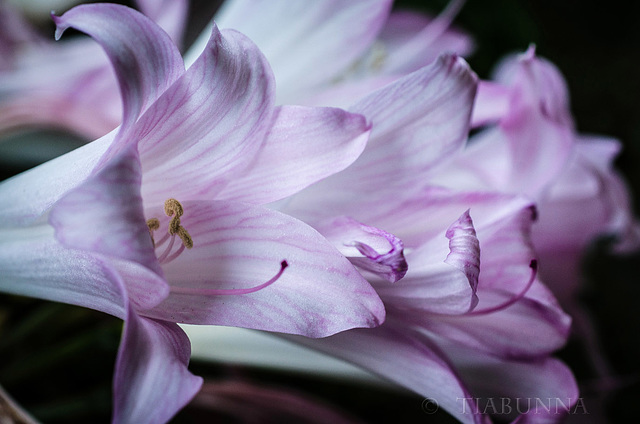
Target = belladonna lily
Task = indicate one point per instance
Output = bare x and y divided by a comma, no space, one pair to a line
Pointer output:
141,223
363,43
469,321
70,84
530,146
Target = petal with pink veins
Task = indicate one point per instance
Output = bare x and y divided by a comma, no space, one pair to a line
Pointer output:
105,215
151,381
304,146
238,246
336,31
145,59
404,357
208,126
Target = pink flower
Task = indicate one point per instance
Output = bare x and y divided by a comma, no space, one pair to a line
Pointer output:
470,304
363,45
530,146
71,85
147,224
68,85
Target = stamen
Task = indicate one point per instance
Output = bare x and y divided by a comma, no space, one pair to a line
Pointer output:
153,224
166,252
163,240
173,255
187,241
173,209
228,292
172,206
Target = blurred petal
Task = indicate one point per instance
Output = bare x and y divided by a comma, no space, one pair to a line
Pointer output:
28,196
412,40
170,15
151,381
492,103
130,39
238,246
304,146
33,264
404,357
545,380
336,31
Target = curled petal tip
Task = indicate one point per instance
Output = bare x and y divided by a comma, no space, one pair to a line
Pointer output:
530,54
60,27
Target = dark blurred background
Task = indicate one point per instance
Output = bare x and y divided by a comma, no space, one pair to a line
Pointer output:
58,360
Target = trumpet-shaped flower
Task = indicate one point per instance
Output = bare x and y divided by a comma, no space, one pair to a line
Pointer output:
470,304
364,45
71,85
141,223
532,147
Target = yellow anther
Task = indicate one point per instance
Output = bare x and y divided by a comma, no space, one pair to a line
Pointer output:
153,224
185,237
172,206
174,225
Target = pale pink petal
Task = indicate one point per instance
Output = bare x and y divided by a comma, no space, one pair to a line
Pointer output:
588,200
406,219
345,94
545,388
170,15
538,127
492,103
105,215
304,146
402,356
27,196
211,122
484,165
369,248
33,264
68,85
338,32
540,82
238,246
419,121
151,381
15,32
527,328
539,149
411,40
516,315
442,278
145,59
464,249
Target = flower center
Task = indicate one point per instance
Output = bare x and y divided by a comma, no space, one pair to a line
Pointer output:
173,209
